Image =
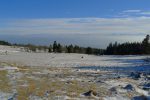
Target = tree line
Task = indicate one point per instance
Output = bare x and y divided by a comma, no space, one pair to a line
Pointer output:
128,48
4,43
58,48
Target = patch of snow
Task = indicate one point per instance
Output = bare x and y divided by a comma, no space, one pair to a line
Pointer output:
72,60
8,68
5,96
118,97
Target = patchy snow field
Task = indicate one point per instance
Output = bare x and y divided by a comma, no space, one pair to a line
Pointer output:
50,76
67,60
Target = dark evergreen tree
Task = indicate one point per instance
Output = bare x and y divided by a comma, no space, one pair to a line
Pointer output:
55,46
89,50
146,45
59,48
109,50
5,43
115,48
70,48
76,49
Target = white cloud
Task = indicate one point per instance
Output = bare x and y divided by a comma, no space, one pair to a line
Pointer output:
101,26
134,13
131,11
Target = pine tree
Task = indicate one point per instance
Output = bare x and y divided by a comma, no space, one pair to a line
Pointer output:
59,48
70,48
55,46
115,48
76,49
89,50
146,45
109,49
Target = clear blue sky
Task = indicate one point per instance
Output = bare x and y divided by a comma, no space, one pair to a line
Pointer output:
83,22
68,8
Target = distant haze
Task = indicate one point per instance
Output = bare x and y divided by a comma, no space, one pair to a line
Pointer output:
81,40
94,32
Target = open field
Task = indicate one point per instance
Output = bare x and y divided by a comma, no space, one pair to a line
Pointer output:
49,76
67,60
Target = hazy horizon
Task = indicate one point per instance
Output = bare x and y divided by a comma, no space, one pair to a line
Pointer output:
84,41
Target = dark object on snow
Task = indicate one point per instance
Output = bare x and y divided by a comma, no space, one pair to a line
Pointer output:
141,98
146,86
129,87
147,59
82,57
135,75
13,97
90,93
113,90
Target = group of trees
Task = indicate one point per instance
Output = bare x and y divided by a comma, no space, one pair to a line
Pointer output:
5,43
129,48
112,49
58,48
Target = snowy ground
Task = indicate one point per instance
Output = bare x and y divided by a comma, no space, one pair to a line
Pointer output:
49,76
68,60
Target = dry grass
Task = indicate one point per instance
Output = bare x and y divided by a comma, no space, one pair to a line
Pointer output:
4,81
39,88
25,91
36,83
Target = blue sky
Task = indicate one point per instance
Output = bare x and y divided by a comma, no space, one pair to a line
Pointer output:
68,8
84,22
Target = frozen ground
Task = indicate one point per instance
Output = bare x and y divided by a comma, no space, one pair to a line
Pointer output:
49,76
67,60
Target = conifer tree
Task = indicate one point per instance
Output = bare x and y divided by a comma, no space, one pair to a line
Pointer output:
59,48
89,50
70,48
55,46
146,45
